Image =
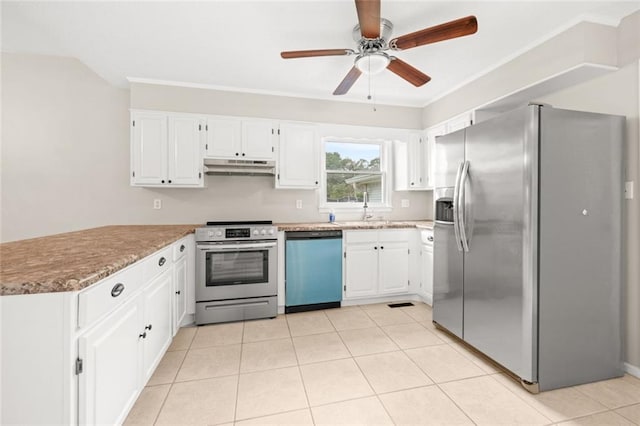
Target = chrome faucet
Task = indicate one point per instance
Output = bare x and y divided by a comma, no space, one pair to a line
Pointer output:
365,216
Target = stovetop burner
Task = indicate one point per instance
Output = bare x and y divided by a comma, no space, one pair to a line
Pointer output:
252,222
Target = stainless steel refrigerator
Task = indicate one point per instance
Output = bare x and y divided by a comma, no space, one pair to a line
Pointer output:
527,250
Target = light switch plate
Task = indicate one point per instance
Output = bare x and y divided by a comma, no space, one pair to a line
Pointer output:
157,203
298,204
404,203
628,190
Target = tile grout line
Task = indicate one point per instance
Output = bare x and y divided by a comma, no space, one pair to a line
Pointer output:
235,405
164,400
304,388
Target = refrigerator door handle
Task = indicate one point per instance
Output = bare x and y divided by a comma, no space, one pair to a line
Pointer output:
456,208
461,196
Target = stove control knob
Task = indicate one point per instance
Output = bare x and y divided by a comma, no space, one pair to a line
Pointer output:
263,232
256,232
211,234
270,231
218,233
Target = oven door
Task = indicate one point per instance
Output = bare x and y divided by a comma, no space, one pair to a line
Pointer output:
235,270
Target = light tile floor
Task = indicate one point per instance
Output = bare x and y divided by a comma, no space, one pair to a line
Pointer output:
356,365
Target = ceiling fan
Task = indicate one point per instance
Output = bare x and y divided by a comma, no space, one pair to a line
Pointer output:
373,37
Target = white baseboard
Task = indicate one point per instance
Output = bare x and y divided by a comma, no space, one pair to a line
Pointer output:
632,369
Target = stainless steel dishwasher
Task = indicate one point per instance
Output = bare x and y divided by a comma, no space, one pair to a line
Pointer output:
313,270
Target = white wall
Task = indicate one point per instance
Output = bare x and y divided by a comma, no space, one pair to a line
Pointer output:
615,93
65,153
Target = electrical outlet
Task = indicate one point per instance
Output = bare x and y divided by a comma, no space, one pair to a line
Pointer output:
157,203
628,190
405,203
298,204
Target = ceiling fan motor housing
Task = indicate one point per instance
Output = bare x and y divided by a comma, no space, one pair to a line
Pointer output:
374,44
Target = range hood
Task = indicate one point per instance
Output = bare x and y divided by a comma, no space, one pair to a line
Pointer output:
240,167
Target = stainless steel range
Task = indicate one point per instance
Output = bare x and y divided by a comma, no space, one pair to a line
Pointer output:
236,271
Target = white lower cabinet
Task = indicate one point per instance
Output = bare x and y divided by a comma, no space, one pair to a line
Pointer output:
376,263
110,353
84,357
157,327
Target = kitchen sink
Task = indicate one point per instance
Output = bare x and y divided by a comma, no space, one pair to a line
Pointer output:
368,223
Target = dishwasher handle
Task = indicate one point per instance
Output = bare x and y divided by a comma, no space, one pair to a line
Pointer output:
313,235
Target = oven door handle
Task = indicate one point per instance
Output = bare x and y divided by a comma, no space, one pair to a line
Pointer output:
236,247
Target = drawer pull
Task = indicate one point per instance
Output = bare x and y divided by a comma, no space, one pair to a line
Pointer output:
148,327
143,335
117,290
162,261
182,247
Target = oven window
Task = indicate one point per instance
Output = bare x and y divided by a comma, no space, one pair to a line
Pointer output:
236,268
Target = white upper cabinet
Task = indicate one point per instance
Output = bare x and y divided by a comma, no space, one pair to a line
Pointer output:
166,150
240,139
149,148
410,163
185,156
257,139
456,123
223,138
298,156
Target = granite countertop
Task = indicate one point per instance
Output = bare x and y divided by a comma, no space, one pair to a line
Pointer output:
75,260
350,225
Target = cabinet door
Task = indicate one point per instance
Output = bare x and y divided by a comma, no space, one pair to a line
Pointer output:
257,140
393,261
109,384
299,156
185,158
148,148
223,138
157,322
179,293
361,270
400,165
417,178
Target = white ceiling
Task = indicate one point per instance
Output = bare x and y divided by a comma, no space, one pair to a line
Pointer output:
235,45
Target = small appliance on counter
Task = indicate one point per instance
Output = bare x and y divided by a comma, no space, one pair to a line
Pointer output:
313,270
236,271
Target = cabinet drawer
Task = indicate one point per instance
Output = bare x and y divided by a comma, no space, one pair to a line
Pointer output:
157,263
394,235
361,236
180,249
105,296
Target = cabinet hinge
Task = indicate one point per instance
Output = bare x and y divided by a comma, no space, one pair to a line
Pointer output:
272,149
134,123
345,254
278,176
199,127
206,127
134,174
272,131
206,146
408,251
199,175
78,366
345,288
278,131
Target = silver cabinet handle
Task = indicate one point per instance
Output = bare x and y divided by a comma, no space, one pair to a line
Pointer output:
117,290
456,207
162,261
148,327
461,195
143,335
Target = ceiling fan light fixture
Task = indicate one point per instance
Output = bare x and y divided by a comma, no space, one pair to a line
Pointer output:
372,63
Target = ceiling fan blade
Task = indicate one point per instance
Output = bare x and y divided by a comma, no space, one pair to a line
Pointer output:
458,28
369,17
310,53
348,81
406,71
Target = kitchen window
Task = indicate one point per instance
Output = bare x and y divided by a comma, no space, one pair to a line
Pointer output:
351,168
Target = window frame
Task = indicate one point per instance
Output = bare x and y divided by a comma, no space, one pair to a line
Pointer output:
385,158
